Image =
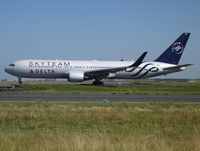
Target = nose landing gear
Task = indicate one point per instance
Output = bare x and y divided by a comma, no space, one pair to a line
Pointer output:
20,80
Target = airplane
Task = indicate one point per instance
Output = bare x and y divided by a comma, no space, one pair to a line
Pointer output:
79,70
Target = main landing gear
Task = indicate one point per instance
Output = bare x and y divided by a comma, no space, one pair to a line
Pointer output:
20,80
98,82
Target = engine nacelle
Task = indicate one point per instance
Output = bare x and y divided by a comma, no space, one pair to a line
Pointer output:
76,76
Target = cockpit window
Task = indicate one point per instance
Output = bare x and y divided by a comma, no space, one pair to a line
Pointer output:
11,65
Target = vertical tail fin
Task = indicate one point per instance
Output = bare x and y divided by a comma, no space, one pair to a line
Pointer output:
173,54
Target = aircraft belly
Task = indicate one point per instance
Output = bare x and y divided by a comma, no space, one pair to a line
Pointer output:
43,75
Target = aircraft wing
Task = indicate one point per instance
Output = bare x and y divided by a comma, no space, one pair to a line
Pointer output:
105,72
178,67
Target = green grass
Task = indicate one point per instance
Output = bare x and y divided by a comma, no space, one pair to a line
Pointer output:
100,126
190,88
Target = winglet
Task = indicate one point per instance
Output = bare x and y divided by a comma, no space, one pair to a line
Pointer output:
139,60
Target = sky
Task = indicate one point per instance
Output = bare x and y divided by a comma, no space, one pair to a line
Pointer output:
98,30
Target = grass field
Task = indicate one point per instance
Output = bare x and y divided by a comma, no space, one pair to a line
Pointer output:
101,126
190,88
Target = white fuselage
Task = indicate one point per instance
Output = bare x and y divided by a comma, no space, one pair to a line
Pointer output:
85,70
78,71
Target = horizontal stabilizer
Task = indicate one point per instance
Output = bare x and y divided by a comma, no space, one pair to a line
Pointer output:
178,67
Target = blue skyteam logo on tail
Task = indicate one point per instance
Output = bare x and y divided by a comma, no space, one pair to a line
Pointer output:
173,53
177,48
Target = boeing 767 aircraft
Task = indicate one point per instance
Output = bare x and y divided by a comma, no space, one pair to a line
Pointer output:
78,71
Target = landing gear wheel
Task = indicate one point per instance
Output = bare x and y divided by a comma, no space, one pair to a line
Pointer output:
20,80
98,83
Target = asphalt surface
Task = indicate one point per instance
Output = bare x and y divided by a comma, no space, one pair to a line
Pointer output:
98,98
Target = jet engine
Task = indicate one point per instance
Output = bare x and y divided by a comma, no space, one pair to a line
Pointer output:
76,76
